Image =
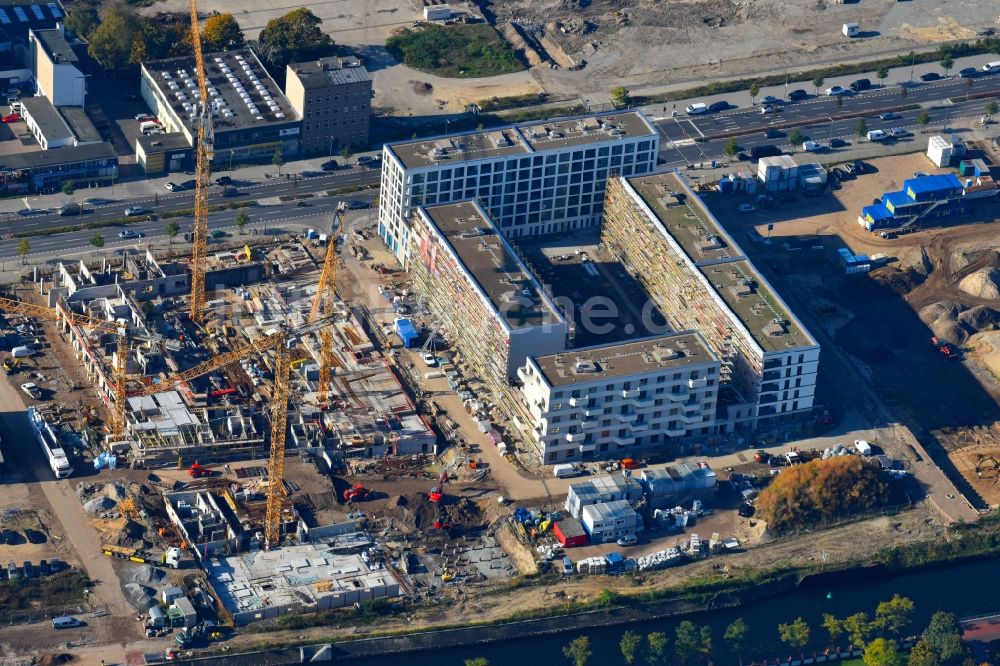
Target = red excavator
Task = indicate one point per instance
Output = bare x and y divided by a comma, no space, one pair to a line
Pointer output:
437,492
356,492
946,349
196,471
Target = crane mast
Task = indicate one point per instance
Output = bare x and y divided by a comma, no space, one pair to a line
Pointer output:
326,296
204,150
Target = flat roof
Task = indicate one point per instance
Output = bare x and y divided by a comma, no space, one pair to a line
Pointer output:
241,90
58,156
489,260
50,123
79,123
621,359
160,142
331,71
533,137
684,217
17,16
55,45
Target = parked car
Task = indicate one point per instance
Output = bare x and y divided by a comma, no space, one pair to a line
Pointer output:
172,186
128,233
43,568
860,168
134,210
329,165
29,569
889,115
861,84
746,208
223,181
627,540
715,107
188,185
143,117
696,109
837,143
429,359
968,73
770,99
930,76
836,90
357,204
13,571
368,160
812,146
567,566
12,118
32,390
899,132
65,622
746,510
797,95
768,150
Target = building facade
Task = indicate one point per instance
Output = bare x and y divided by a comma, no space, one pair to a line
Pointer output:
489,305
535,178
56,67
609,521
45,171
601,489
701,280
251,117
333,97
619,399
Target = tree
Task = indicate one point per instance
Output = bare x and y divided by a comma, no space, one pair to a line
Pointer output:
68,187
82,19
292,38
858,629
991,110
882,652
892,616
945,639
478,661
818,83
630,644
279,159
221,33
705,641
947,62
112,42
688,641
754,91
23,248
578,651
833,626
861,129
346,153
171,229
97,240
606,598
736,636
242,220
796,139
820,491
656,648
796,634
923,119
923,654
731,147
620,96
882,73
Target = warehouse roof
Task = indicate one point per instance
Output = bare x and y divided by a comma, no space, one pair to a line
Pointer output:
491,263
80,124
332,71
684,218
58,156
534,137
936,183
51,125
605,511
621,359
17,17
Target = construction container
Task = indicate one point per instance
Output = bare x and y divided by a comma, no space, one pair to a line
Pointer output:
601,489
609,521
406,332
777,174
569,532
942,151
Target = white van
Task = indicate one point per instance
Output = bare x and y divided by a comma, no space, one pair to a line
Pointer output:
148,125
564,471
863,447
876,135
696,108
851,30
992,67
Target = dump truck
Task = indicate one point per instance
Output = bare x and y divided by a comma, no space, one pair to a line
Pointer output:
171,557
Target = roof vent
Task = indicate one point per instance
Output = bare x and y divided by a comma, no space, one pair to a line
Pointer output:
584,365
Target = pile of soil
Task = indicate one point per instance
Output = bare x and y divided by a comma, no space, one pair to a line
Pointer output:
141,597
98,505
898,281
980,318
949,321
984,283
413,513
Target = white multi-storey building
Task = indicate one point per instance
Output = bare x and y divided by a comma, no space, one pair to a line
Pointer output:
618,399
534,178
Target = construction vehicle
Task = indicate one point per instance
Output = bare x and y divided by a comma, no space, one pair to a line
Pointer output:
10,365
946,349
356,492
171,557
437,492
994,464
196,471
762,456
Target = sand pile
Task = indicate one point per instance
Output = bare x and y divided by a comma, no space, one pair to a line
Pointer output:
984,283
979,318
146,575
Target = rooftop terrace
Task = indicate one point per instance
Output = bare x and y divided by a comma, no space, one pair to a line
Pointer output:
721,261
522,139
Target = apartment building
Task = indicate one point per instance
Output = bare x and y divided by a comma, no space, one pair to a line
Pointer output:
701,280
535,178
333,97
620,399
490,307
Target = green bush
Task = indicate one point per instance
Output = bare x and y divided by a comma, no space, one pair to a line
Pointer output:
455,51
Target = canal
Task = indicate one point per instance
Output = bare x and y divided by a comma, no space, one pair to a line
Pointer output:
963,589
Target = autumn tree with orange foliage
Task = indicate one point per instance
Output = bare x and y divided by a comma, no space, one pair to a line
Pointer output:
821,491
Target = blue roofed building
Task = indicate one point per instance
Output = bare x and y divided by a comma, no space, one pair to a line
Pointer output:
922,199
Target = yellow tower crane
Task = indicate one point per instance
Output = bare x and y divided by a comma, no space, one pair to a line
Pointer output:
326,296
205,151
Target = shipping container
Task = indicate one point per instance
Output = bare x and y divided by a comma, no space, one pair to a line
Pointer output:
569,532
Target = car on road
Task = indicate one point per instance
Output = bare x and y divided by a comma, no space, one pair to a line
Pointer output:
861,84
32,390
876,135
968,73
12,118
715,107
746,208
68,209
767,108
128,233
773,133
230,191
329,165
696,108
429,359
798,95
837,143
770,99
188,185
812,146
930,76
368,160
223,181
172,186
357,204
834,91
768,150
143,117
898,132
134,210
66,622
889,115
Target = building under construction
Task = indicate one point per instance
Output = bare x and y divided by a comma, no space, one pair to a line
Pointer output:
701,280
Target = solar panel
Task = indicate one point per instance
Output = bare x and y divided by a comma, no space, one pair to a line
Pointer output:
54,8
19,13
4,18
38,12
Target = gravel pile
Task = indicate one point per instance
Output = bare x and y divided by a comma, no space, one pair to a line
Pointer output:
140,596
98,505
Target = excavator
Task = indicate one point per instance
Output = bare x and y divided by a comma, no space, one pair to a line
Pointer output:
437,492
357,492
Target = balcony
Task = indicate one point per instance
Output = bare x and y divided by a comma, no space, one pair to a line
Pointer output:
575,437
681,432
630,393
640,427
678,397
626,418
591,412
578,402
691,417
701,382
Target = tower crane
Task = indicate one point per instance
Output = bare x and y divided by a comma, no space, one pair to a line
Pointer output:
326,296
205,151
